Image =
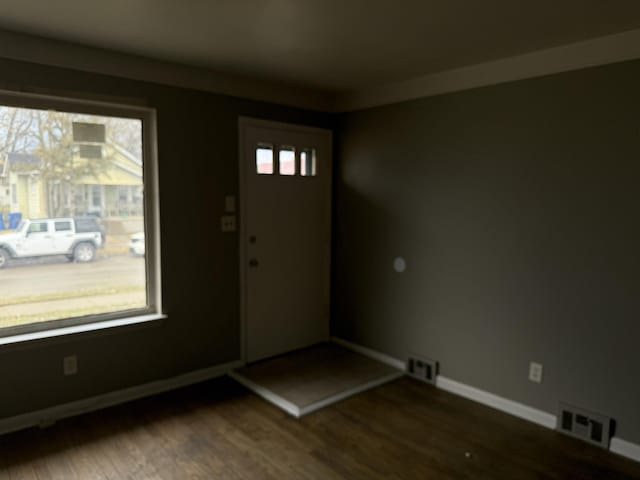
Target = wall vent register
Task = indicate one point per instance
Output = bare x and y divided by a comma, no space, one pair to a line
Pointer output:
422,368
585,425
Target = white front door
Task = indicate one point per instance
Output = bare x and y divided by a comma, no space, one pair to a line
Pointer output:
285,236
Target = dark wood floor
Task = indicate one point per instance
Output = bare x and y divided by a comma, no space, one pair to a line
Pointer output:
218,430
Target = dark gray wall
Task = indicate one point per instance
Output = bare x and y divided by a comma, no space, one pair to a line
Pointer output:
198,162
516,207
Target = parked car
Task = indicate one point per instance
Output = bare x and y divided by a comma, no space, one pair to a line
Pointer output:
136,244
77,238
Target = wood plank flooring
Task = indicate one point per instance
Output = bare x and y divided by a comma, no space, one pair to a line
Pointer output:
219,430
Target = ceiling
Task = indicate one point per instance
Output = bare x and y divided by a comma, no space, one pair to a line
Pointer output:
330,45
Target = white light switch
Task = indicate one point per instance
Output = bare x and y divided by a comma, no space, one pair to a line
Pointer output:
228,223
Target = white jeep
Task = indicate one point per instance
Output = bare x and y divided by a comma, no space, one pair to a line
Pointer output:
77,238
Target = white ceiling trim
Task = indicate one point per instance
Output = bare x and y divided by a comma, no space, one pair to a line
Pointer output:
18,46
599,51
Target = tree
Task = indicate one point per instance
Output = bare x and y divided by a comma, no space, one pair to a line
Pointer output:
49,135
61,168
15,130
15,125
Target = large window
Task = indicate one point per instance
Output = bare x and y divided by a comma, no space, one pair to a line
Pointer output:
79,231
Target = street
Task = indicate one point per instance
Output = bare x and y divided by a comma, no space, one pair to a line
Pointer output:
55,287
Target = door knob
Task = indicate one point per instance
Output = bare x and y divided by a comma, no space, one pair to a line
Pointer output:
253,262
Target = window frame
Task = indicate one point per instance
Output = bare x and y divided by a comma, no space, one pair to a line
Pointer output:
67,224
31,231
151,207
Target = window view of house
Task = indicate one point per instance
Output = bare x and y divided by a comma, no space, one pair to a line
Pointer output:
71,206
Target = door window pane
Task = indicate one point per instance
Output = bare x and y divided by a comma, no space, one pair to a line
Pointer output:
287,160
308,162
264,160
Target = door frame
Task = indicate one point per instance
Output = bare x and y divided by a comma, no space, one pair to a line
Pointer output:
243,124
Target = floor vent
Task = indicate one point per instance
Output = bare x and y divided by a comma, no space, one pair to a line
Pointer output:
422,368
585,425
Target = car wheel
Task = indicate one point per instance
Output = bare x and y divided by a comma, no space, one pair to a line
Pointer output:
4,258
84,252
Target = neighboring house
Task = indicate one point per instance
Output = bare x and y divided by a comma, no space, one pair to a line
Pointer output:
26,190
115,191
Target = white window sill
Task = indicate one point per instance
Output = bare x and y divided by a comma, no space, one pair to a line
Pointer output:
87,327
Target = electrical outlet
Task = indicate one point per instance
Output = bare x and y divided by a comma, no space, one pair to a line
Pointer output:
228,223
70,365
535,372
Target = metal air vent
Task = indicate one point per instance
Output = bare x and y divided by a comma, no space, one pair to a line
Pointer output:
585,425
422,368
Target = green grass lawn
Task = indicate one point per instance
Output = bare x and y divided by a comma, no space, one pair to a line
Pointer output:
100,300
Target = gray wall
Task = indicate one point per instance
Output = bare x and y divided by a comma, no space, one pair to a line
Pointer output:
198,162
516,208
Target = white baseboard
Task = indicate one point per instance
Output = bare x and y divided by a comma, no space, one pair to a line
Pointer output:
618,445
381,357
48,416
499,403
626,449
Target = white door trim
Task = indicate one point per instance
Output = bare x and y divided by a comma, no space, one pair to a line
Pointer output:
243,124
